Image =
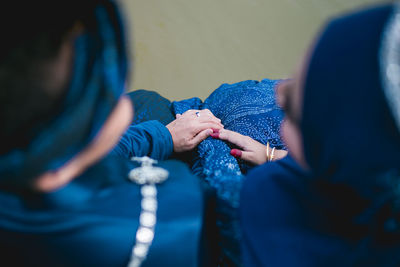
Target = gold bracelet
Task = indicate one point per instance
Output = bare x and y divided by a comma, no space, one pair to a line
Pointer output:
271,156
270,153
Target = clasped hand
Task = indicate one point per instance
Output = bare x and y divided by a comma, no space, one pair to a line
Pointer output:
192,127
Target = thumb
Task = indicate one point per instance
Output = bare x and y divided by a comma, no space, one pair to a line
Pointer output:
178,115
201,136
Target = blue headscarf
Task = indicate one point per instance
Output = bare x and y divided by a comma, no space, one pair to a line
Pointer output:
349,133
345,210
98,80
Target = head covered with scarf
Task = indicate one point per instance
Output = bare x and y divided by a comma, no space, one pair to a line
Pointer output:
97,80
350,136
345,209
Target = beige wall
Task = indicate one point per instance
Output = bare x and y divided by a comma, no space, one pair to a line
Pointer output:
186,48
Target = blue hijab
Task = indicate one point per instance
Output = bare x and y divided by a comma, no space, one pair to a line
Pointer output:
353,141
345,210
98,80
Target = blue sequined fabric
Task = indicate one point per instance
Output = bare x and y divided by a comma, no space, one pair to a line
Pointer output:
247,107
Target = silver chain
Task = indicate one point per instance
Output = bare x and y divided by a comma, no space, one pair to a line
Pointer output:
147,176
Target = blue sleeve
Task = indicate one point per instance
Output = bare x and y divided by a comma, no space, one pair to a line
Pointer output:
285,221
149,138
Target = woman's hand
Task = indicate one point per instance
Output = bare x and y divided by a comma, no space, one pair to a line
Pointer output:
192,127
252,151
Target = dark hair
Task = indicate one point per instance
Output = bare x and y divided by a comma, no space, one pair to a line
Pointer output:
31,35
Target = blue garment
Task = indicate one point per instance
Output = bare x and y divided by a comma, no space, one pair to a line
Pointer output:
93,220
344,211
152,112
135,141
150,105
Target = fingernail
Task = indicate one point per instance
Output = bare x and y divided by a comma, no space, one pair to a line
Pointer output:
236,153
214,135
215,130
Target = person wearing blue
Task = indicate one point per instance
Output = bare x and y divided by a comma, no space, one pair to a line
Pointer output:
335,199
71,196
69,193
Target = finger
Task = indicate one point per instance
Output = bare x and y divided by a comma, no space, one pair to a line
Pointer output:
178,115
198,127
190,111
215,134
233,137
207,112
192,114
244,155
236,153
200,137
210,120
200,113
206,115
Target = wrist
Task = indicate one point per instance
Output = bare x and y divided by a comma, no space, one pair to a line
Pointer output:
280,154
171,134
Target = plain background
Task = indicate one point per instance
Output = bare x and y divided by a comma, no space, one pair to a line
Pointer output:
187,48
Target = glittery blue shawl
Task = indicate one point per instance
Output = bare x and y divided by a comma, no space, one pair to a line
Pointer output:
98,80
247,107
